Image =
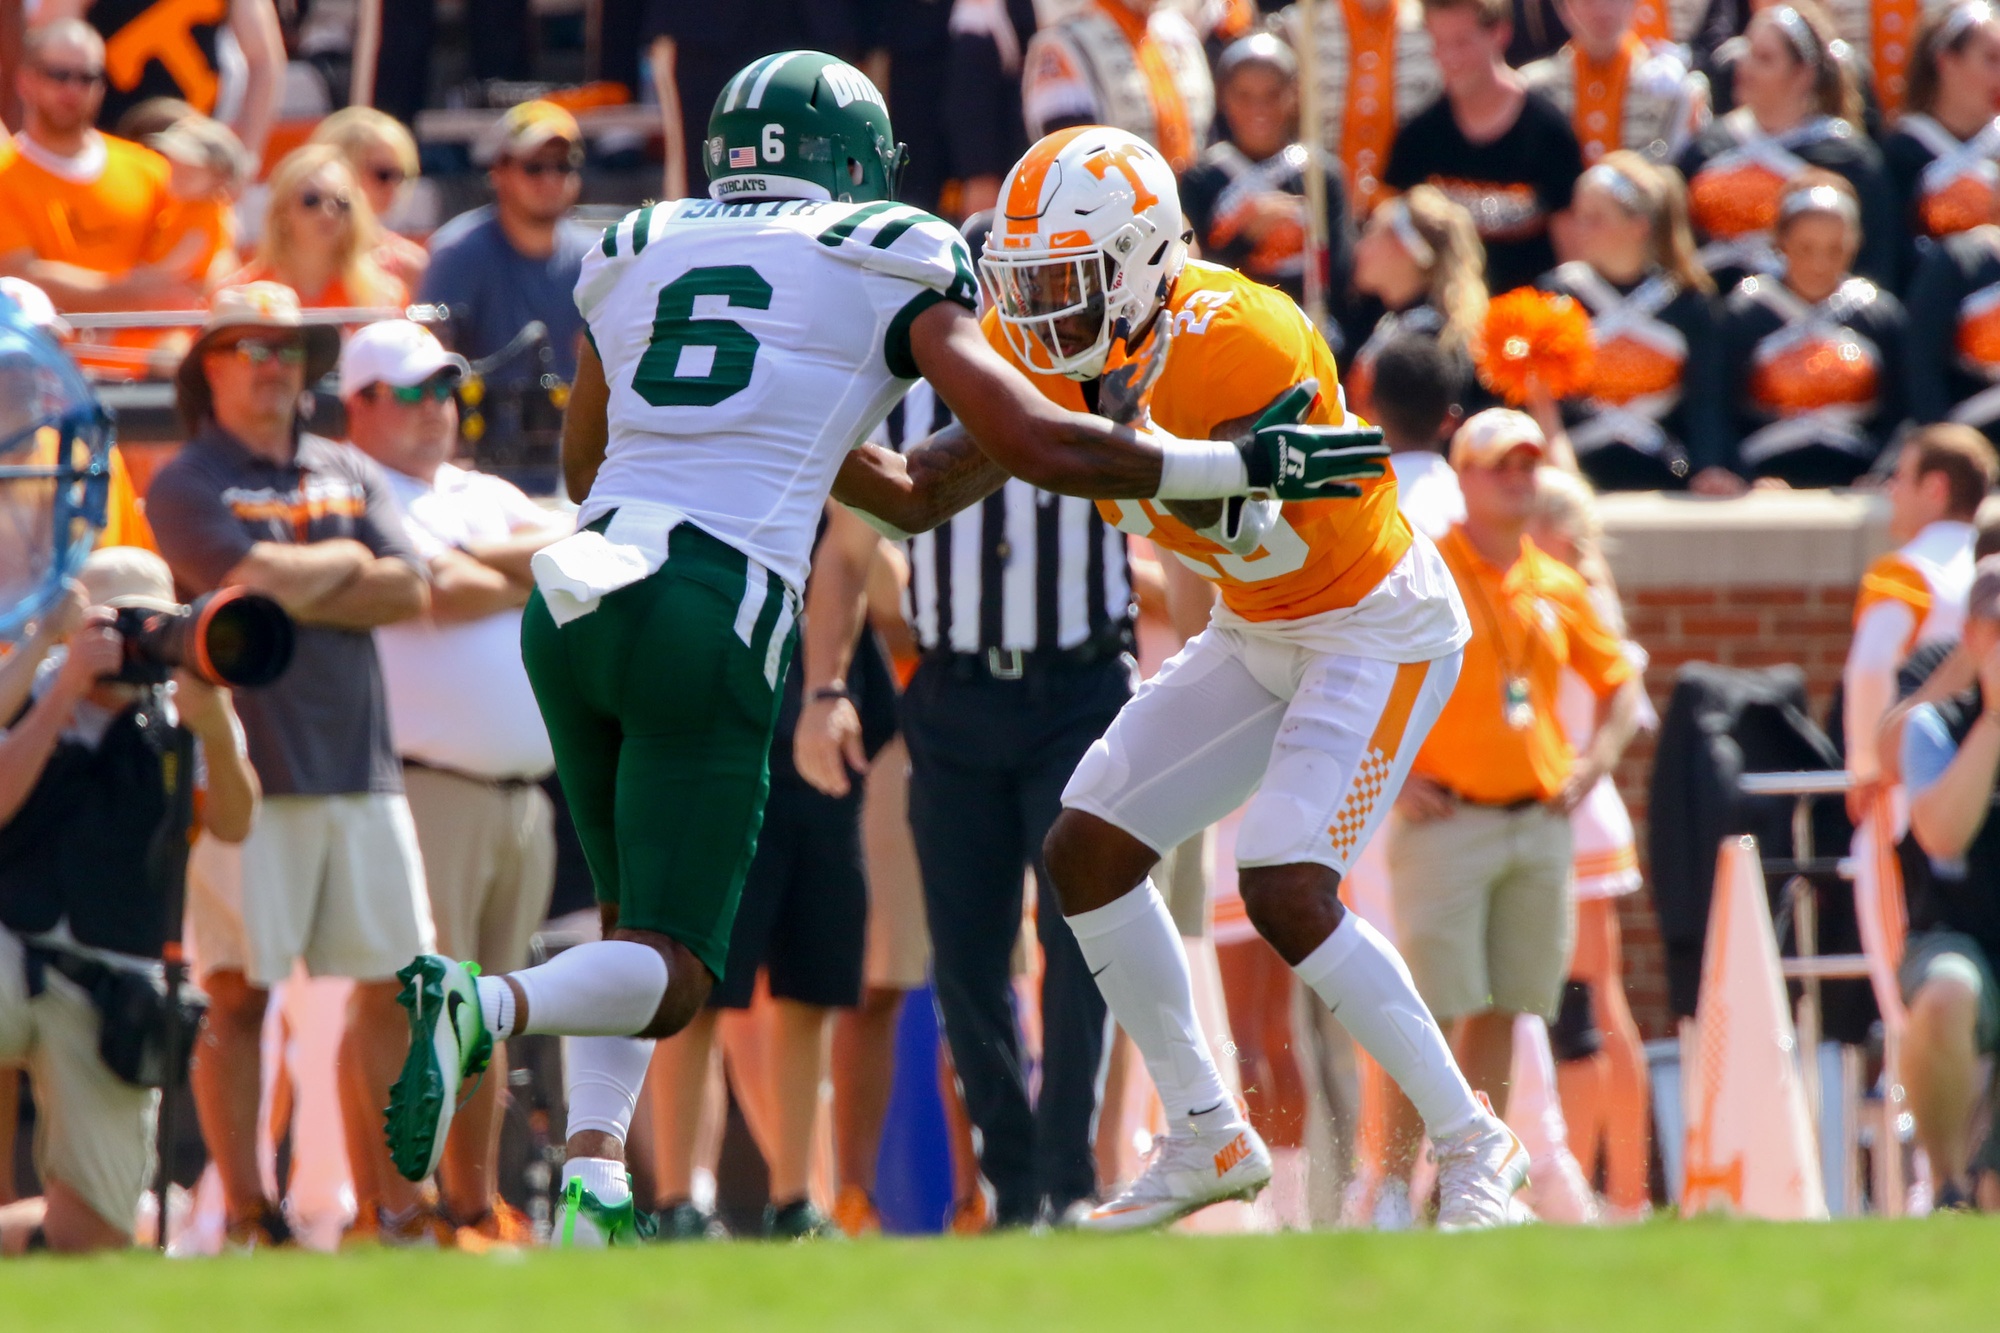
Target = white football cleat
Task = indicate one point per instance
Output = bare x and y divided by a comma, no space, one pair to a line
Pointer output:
1479,1170
1185,1172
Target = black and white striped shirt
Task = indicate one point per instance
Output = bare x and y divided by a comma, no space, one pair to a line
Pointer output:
1024,569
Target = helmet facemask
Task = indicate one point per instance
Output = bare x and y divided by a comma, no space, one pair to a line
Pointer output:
1061,309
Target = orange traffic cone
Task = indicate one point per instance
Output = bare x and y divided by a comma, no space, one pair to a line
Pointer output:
1750,1145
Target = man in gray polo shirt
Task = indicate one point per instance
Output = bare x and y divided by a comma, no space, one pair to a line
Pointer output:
331,873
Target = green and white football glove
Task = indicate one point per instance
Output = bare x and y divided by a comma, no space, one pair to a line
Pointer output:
1288,458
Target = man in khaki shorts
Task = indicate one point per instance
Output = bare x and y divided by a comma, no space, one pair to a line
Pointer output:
331,874
75,839
473,746
1479,843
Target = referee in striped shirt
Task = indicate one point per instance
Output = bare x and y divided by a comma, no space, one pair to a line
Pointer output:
1022,607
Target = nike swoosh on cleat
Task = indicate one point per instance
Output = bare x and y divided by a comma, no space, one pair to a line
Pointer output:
452,1004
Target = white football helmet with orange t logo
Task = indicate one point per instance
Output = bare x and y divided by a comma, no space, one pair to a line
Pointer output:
1086,244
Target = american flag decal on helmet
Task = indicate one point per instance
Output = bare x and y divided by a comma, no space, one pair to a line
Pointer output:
742,157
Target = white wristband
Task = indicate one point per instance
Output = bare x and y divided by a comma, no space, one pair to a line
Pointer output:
1198,469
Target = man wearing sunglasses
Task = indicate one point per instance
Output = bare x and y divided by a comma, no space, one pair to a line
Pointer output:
516,261
332,873
80,211
473,746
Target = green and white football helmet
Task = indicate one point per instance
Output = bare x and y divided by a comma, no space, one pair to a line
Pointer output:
801,125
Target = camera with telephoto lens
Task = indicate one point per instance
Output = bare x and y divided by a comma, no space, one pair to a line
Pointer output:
231,637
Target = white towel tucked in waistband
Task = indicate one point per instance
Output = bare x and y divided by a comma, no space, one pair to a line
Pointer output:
575,573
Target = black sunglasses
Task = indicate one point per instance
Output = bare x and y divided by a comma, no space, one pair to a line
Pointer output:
310,200
537,170
81,78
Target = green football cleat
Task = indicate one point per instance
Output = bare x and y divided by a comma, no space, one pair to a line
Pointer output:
448,1044
584,1222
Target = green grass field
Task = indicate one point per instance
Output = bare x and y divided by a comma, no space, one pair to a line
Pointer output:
1938,1275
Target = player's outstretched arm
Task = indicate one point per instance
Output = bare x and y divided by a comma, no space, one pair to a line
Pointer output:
586,427
915,491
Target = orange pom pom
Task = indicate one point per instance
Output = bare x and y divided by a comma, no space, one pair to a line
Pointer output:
1532,335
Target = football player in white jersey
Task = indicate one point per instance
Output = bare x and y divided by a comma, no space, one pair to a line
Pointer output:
739,350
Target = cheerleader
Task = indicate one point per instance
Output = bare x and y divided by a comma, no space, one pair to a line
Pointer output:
1650,319
1797,108
1941,159
1809,359
1951,359
1419,267
1601,1066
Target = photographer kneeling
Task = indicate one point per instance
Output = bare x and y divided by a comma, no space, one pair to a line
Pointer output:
84,820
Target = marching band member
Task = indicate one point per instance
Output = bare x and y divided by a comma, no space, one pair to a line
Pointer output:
1620,90
1134,64
1797,108
1650,320
1375,71
1811,356
1941,158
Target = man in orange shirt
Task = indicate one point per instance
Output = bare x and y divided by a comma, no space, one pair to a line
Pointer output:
80,211
1479,846
1334,647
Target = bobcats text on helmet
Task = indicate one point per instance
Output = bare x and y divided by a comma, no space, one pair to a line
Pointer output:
1086,245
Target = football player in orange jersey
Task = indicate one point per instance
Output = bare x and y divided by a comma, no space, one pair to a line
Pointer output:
1335,646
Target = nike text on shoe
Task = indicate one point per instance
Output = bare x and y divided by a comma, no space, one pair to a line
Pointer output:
1185,1172
585,1222
448,1044
1479,1169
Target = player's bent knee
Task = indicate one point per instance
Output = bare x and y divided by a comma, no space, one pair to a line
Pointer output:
688,984
1294,907
1092,862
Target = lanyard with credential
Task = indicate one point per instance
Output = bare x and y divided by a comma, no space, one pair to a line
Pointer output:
1514,702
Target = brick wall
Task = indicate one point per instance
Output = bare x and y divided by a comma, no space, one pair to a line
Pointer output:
1746,625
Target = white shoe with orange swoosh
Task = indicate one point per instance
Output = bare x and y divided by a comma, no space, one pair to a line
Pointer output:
1184,1173
1480,1169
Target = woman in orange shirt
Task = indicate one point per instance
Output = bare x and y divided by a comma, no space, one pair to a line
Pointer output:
320,236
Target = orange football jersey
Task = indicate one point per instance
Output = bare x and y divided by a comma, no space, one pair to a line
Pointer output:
1237,346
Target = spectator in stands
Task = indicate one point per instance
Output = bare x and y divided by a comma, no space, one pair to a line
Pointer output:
1797,108
332,873
146,119
1651,319
320,236
81,213
473,747
1951,353
1375,72
1916,594
1950,757
1506,154
1619,91
515,262
1810,359
1941,155
209,169
1602,1066
383,158
1419,268
1136,65
163,49
1479,846
983,121
1246,196
1419,411
81,804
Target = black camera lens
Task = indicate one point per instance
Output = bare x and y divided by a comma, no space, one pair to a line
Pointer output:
229,637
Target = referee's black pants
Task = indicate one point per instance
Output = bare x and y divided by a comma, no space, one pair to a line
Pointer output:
988,762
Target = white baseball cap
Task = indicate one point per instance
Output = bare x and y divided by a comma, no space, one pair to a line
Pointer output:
396,352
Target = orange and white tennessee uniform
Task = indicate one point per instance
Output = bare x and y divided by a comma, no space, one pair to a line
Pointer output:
1337,639
1910,597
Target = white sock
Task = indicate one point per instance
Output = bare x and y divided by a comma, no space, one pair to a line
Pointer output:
1363,980
607,988
496,1001
604,1075
601,1176
1134,951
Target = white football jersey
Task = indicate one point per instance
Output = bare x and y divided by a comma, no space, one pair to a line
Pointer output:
748,347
